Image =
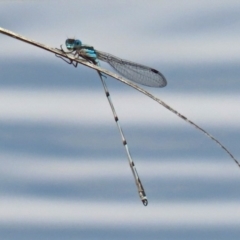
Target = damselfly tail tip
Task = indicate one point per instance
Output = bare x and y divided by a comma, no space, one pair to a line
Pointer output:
145,202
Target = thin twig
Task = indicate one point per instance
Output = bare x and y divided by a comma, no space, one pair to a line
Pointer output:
119,78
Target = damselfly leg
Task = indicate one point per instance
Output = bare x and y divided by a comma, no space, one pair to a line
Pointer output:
71,62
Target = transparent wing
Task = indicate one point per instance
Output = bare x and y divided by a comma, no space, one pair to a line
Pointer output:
133,71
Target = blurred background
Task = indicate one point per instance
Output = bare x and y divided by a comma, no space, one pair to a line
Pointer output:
64,173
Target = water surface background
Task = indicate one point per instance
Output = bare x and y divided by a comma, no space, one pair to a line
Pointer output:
64,172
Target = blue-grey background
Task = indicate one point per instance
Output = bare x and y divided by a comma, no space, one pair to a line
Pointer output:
64,173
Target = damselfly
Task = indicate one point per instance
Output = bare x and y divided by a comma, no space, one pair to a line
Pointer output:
136,73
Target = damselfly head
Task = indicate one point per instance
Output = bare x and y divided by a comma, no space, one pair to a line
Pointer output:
73,44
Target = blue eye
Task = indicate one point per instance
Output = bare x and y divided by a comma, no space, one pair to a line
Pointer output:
70,41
